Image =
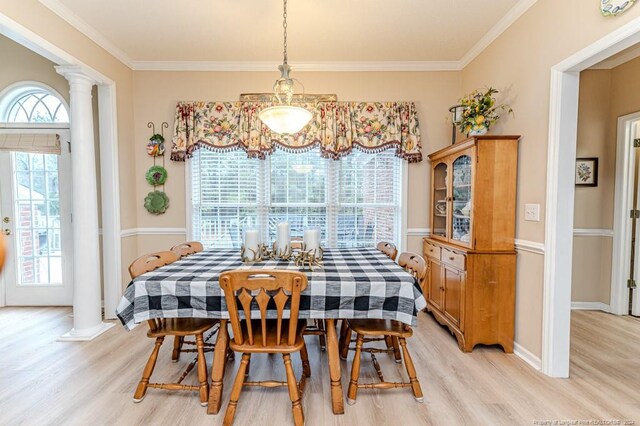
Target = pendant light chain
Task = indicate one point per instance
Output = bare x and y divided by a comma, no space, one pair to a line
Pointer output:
284,26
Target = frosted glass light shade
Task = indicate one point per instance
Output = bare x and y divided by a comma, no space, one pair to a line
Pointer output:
285,119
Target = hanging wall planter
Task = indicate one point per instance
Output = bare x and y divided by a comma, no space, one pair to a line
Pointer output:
156,202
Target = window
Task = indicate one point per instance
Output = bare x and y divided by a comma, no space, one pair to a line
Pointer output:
32,104
354,202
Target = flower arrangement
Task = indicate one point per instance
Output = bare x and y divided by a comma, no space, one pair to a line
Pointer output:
480,111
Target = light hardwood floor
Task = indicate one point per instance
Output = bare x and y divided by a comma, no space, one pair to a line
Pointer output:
47,382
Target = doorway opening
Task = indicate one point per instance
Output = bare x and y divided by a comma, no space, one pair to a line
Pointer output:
561,168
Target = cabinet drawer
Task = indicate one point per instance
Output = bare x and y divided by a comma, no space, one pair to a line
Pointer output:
454,259
431,250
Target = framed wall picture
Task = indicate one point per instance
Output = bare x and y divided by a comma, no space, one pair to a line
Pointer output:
587,171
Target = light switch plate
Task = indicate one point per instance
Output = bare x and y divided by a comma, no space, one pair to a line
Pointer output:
532,212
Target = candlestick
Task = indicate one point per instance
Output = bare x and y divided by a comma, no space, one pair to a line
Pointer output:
311,240
251,244
283,237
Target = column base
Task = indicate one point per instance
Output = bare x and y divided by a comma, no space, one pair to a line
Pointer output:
86,334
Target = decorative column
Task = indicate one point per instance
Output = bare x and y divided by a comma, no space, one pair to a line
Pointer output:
87,309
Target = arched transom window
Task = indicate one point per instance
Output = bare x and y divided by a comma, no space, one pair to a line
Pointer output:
32,104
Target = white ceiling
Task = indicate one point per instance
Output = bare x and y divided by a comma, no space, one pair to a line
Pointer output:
319,30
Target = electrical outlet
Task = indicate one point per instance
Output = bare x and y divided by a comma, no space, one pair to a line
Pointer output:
532,212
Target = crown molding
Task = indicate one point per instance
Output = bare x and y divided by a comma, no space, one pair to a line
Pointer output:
338,66
297,66
496,31
81,25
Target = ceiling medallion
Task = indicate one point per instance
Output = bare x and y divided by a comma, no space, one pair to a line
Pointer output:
284,117
615,7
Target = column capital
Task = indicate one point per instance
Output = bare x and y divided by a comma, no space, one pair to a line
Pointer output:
76,74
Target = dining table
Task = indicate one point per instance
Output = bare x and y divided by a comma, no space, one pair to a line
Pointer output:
349,283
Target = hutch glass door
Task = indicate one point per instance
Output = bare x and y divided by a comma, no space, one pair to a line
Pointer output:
440,204
460,231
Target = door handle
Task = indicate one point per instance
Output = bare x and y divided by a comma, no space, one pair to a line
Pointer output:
6,219
6,231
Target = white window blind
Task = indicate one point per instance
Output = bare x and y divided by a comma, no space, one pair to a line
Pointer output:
355,201
224,196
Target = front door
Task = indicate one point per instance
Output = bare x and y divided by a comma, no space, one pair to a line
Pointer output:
35,217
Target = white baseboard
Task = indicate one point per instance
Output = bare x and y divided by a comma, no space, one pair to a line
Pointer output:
590,306
527,356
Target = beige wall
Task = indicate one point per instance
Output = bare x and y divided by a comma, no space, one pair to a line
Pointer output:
518,63
156,94
605,95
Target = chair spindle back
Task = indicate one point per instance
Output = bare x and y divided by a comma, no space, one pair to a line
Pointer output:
262,286
388,248
187,248
414,264
151,262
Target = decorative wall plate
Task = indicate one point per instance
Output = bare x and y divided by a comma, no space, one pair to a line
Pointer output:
155,147
615,7
156,202
156,175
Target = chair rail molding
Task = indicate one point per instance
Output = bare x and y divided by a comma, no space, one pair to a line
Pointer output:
418,232
590,232
131,232
530,246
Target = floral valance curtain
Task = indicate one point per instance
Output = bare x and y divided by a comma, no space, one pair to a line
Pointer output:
336,127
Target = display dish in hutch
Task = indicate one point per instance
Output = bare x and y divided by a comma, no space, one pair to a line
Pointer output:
470,253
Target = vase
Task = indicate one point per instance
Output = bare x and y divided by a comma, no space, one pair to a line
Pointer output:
482,130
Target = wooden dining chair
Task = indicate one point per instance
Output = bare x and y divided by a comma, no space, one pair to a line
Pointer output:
187,248
159,328
182,250
261,335
391,251
368,329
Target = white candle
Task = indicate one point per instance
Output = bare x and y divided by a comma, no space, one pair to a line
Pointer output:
283,237
251,240
312,239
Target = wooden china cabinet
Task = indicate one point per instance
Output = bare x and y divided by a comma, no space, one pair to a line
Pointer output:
471,257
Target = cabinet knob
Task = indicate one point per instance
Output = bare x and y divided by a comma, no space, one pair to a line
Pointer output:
452,258
441,288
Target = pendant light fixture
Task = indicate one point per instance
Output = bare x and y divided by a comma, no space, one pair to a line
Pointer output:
285,118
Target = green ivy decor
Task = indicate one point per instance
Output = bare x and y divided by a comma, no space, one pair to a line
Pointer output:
480,111
156,175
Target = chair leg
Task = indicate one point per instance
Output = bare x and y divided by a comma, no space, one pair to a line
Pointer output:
141,390
344,349
322,338
177,346
235,391
246,372
304,356
411,372
202,372
343,333
296,406
352,393
396,349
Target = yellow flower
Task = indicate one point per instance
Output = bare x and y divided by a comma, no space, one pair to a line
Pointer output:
480,119
376,125
225,125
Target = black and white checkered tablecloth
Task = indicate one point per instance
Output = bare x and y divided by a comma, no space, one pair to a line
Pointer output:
353,283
